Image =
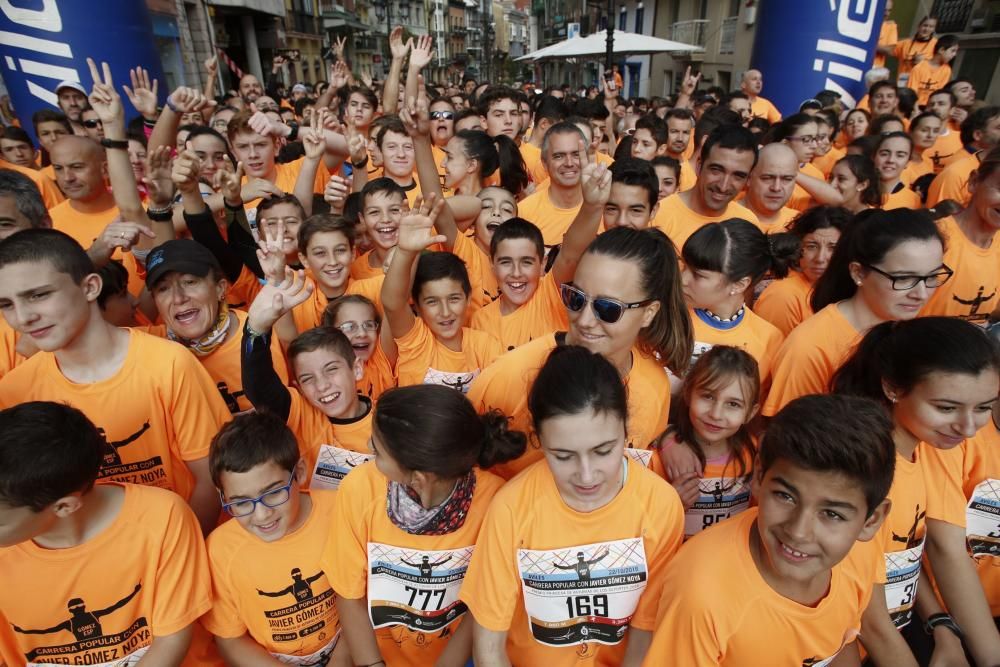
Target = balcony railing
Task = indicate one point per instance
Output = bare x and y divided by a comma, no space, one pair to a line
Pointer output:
727,36
952,14
690,32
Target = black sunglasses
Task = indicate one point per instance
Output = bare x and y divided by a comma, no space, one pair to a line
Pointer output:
91,124
442,115
606,309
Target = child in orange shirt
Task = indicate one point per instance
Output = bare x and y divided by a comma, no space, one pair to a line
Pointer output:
933,73
436,347
261,614
405,526
330,419
720,396
157,406
358,319
722,263
891,156
793,575
89,575
383,205
569,563
939,378
885,267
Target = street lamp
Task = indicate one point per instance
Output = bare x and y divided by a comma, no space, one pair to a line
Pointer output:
611,37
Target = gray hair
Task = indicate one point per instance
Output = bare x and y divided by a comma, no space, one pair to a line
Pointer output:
26,196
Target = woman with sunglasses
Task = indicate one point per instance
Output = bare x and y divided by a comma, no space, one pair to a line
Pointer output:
625,303
405,525
886,266
799,132
723,261
892,155
568,567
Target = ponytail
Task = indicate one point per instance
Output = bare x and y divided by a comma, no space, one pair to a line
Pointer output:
739,249
513,172
500,444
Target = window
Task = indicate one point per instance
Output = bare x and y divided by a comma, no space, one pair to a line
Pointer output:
638,19
623,19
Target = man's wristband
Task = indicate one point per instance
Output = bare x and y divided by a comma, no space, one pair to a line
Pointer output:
253,333
359,165
165,214
116,144
934,620
294,134
172,107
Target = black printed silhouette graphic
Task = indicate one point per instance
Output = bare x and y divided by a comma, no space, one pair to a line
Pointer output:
976,301
809,662
111,457
910,539
82,623
425,566
299,588
582,565
460,382
717,492
230,398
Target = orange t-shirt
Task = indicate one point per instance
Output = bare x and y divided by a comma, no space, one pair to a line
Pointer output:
762,108
908,49
679,222
143,576
244,290
785,216
158,411
809,356
505,384
425,360
309,314
969,483
362,269
801,199
785,303
915,170
901,197
753,334
485,289
44,180
688,176
285,176
543,314
947,148
411,582
532,156
553,221
224,365
973,292
9,358
276,592
330,448
696,630
953,181
566,585
926,77
826,163
887,36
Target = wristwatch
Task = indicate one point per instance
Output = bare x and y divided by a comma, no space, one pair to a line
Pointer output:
946,620
121,145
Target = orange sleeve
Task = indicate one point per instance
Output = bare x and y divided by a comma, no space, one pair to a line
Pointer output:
223,619
798,370
952,183
688,631
345,557
946,499
779,305
671,523
183,580
492,584
196,408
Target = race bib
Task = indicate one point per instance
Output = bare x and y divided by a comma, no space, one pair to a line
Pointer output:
640,456
318,659
332,464
584,593
982,520
417,589
902,573
718,498
459,381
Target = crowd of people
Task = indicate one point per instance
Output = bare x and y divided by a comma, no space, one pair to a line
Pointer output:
399,373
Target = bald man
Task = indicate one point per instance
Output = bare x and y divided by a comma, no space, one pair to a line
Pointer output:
770,187
80,166
250,88
751,84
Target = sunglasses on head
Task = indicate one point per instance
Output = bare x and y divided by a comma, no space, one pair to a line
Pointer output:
606,309
442,115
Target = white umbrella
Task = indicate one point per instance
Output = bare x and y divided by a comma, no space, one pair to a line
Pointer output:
596,45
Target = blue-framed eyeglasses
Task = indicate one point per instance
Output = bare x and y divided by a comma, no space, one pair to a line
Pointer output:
273,498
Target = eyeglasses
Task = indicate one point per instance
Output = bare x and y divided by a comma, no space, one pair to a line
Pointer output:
442,115
220,124
93,123
901,283
349,328
606,309
809,139
273,498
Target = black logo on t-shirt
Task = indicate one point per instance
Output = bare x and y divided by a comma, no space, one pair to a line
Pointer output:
111,457
910,539
582,564
299,588
974,303
83,623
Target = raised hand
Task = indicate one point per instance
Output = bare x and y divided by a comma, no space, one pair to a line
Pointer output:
270,252
229,181
595,181
338,47
339,74
416,229
142,95
312,136
263,125
186,170
422,53
211,66
335,193
690,83
158,178
259,188
189,100
277,298
103,97
366,79
397,46
118,234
